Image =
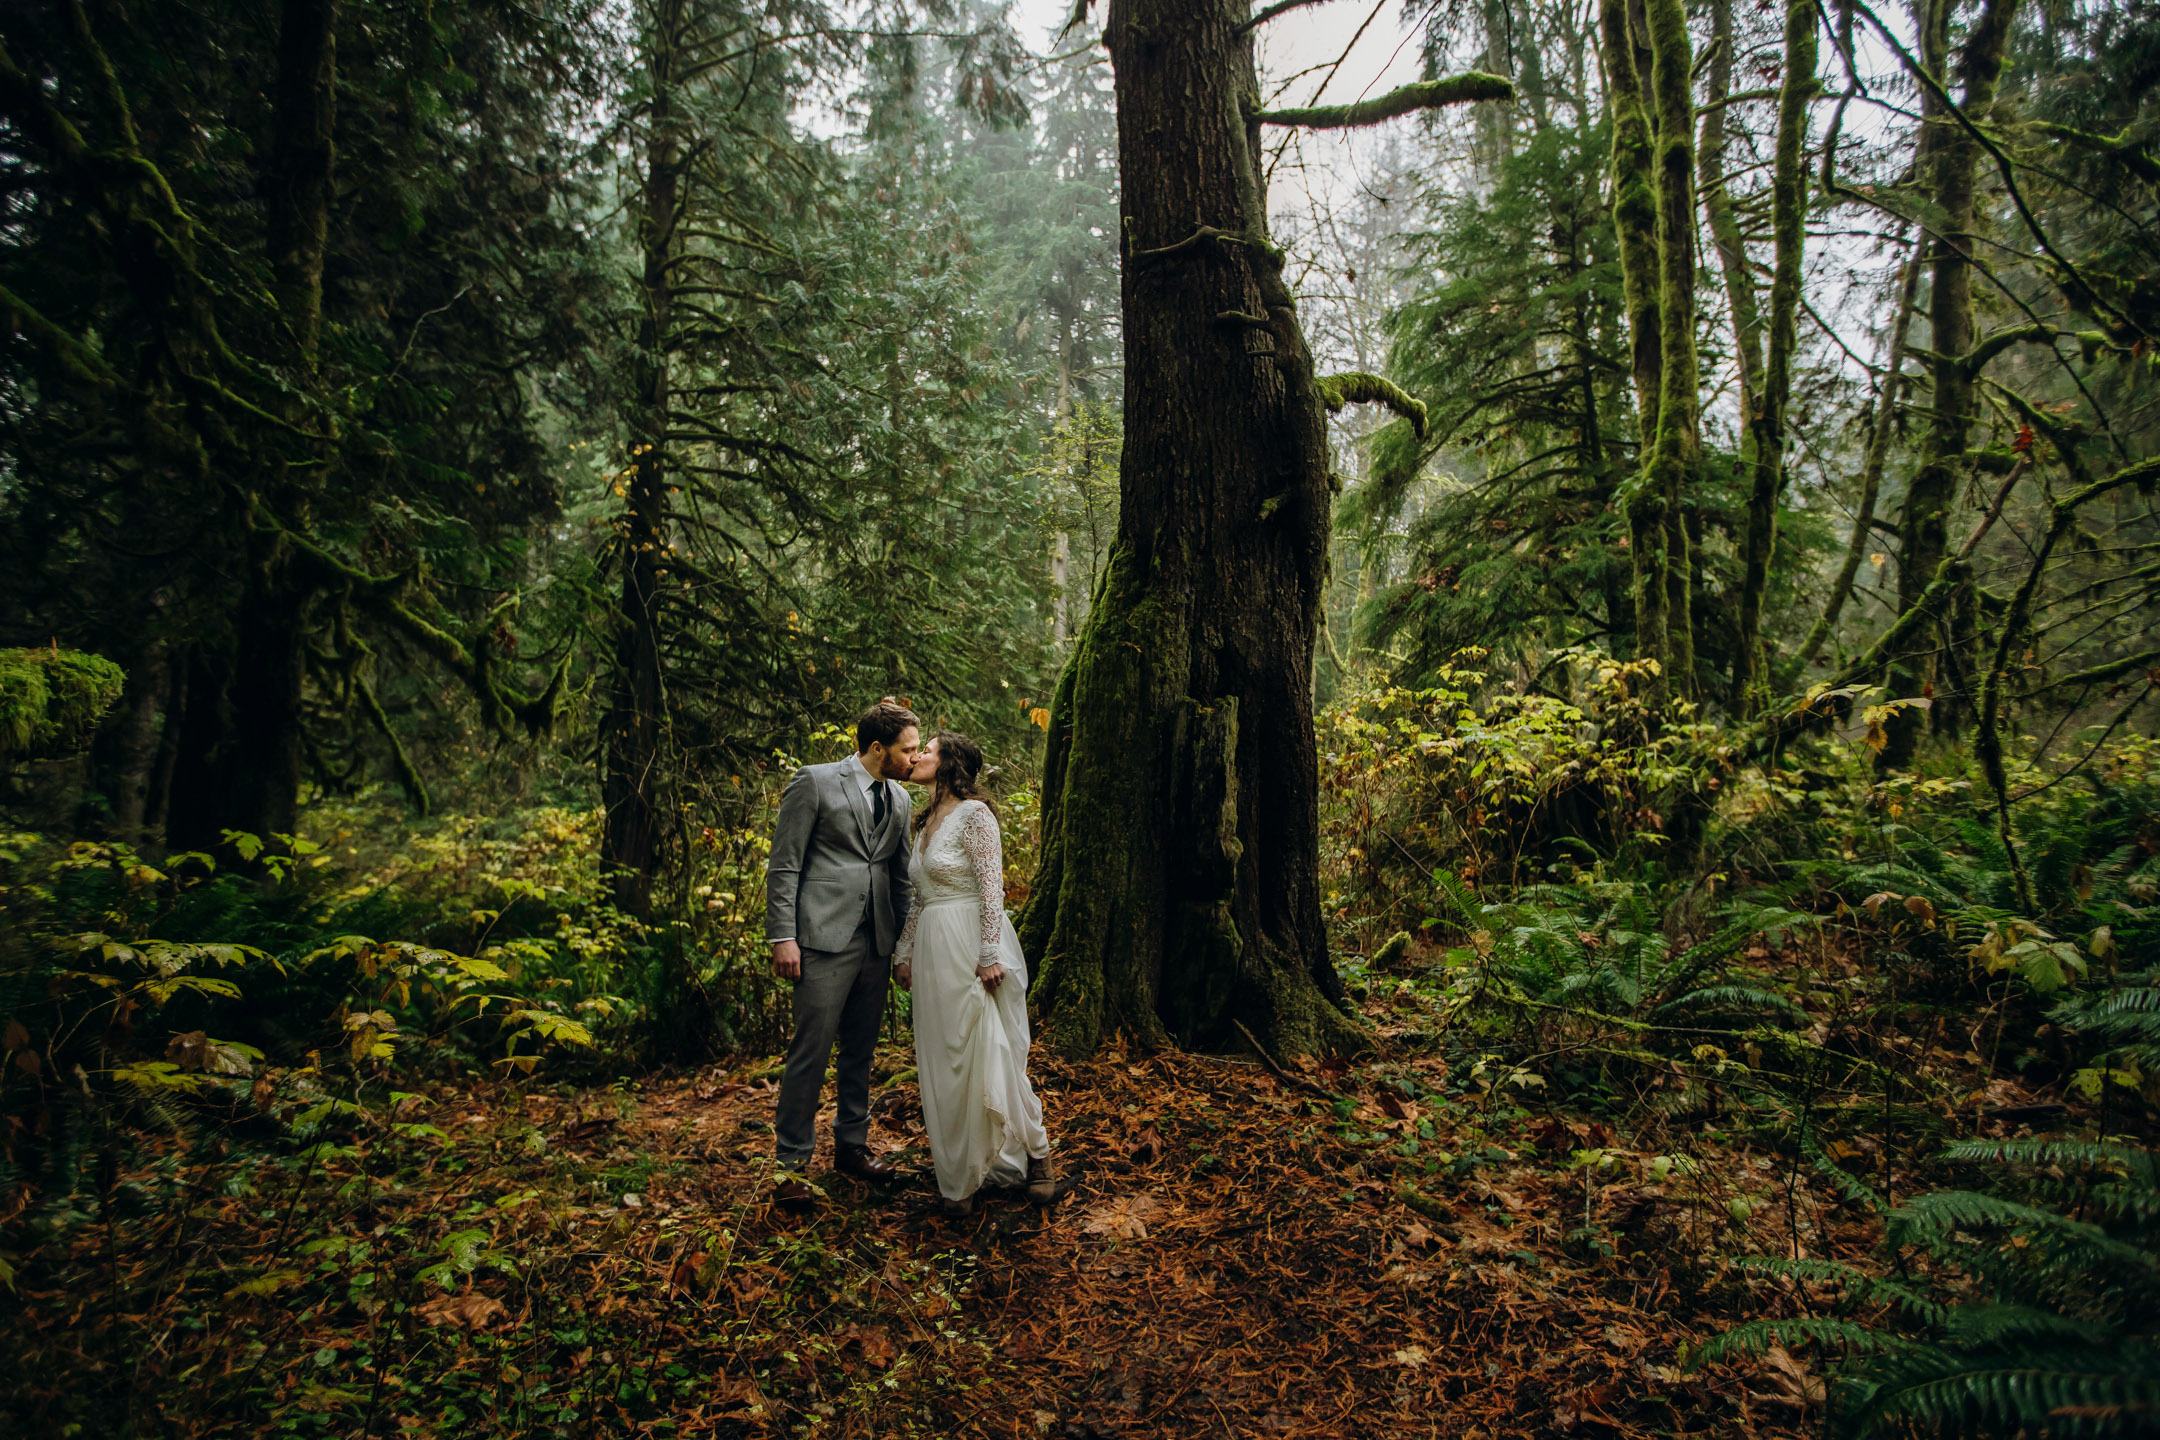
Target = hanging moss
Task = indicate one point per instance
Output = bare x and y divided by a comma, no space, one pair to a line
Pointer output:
50,700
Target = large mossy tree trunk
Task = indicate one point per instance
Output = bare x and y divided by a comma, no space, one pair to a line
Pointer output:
1179,893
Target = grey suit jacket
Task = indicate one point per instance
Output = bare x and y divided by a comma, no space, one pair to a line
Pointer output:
826,870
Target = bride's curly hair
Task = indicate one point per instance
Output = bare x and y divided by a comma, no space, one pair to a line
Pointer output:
959,774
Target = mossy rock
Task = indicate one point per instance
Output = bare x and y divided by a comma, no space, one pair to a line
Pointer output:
51,700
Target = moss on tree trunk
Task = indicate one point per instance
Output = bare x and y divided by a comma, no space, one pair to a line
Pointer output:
1179,891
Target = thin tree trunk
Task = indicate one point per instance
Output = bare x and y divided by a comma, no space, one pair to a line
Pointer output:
1635,211
1882,428
1953,156
1657,505
1740,296
304,113
631,853
1766,421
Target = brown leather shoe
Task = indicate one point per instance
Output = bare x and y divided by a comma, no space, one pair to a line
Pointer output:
1042,1179
857,1160
794,1195
958,1209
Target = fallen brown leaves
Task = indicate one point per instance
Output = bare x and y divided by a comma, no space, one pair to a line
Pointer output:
1238,1256
1228,1265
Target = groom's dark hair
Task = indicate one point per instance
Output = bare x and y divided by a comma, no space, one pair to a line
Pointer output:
882,723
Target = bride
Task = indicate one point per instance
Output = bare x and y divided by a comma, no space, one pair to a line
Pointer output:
971,1023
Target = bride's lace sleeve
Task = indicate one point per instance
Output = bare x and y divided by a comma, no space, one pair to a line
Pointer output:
979,837
904,948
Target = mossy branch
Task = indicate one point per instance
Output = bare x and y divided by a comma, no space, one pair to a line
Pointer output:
1423,95
75,360
408,774
1356,387
2103,674
2132,155
51,700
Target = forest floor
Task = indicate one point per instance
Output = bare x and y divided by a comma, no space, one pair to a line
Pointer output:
1378,1249
1233,1259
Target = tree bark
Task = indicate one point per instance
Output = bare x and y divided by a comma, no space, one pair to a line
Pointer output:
1766,410
1648,59
1178,896
302,159
238,762
238,765
632,727
1953,159
1740,295
128,743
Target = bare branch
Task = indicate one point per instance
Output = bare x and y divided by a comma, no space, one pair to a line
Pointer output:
1278,8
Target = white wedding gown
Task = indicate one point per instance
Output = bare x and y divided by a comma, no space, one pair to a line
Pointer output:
971,1046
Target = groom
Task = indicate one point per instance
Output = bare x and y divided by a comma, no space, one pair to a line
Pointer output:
836,894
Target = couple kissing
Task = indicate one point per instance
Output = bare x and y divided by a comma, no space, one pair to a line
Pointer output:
859,886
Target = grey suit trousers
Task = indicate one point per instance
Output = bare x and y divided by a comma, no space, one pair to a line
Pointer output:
841,996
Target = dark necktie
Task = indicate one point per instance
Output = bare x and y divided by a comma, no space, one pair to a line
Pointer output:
877,806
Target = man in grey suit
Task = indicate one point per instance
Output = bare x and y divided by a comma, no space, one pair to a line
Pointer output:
836,895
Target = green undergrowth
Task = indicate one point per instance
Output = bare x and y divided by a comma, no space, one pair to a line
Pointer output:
1839,969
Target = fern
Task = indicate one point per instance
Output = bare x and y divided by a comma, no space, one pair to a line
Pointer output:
1932,1222
1757,1336
2052,1150
1847,1184
1944,1391
2058,1337
1859,1285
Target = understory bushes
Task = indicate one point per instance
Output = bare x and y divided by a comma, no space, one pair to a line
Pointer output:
1842,971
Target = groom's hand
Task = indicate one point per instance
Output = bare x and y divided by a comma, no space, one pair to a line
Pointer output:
787,960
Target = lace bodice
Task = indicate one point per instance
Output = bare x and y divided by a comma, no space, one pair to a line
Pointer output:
962,859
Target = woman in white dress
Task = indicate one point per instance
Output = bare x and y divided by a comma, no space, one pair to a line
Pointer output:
959,957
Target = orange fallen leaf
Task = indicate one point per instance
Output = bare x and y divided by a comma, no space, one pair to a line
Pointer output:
470,1311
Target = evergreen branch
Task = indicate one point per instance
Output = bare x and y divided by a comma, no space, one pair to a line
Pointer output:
1421,95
